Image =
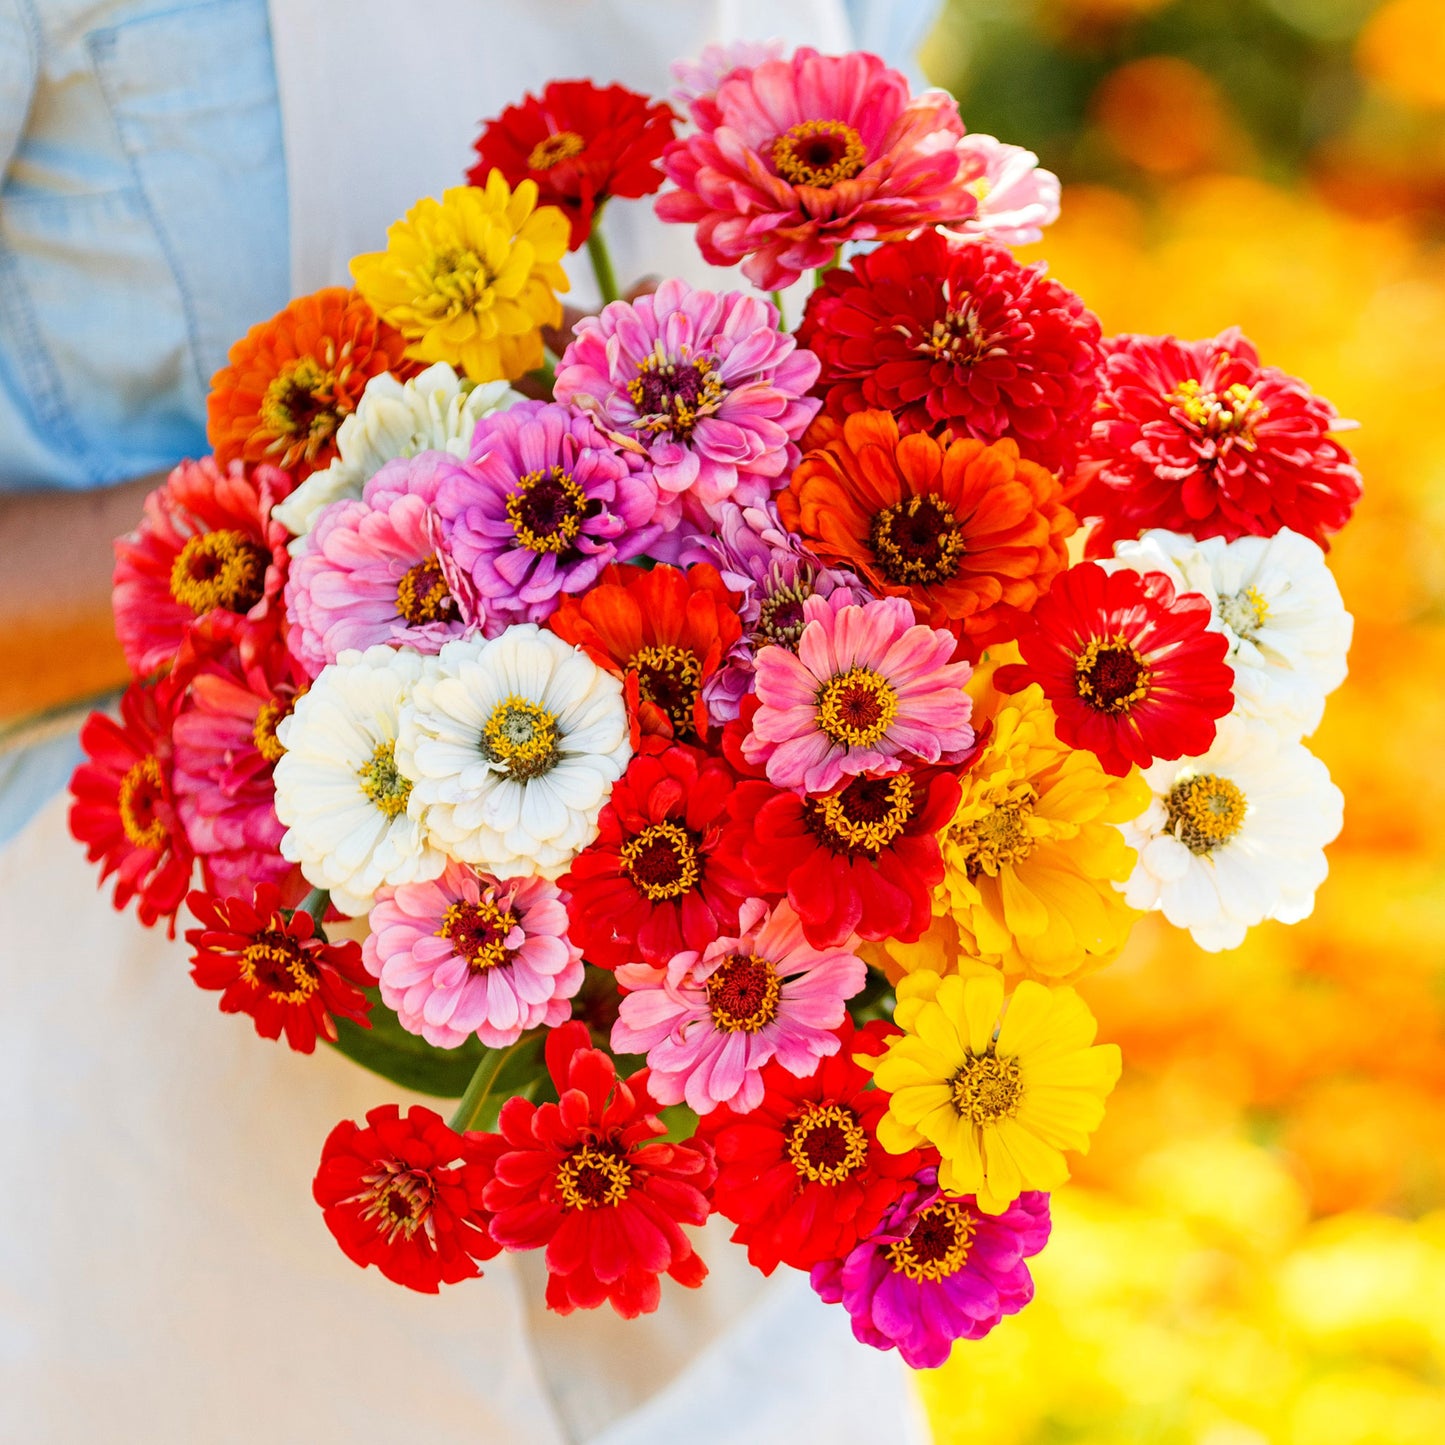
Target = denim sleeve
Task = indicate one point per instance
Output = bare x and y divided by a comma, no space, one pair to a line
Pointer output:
894,29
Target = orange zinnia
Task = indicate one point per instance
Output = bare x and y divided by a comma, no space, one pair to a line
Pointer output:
959,528
294,379
665,632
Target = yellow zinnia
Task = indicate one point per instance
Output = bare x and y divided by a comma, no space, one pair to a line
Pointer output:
471,279
1000,1101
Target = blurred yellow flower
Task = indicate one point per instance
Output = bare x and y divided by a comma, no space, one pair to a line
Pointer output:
1402,49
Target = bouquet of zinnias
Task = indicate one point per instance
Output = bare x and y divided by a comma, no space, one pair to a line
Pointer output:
713,765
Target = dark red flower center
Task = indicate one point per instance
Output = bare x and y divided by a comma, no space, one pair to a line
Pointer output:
826,1143
857,707
674,395
1110,674
819,153
743,992
219,569
301,405
662,861
397,1198
863,817
593,1177
140,800
780,615
422,594
479,932
938,1244
547,511
277,964
917,542
670,678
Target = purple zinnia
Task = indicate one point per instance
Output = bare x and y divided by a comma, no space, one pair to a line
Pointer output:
937,1269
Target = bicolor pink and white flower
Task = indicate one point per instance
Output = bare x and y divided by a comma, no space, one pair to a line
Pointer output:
699,79
1016,197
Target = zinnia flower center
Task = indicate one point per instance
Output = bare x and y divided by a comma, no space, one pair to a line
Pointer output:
139,800
1231,413
450,283
521,738
743,993
382,783
554,149
780,614
1246,612
670,678
937,1246
1111,675
479,932
276,963
863,817
219,569
999,839
593,1178
547,511
422,594
958,336
300,407
856,707
987,1088
917,542
268,719
673,396
819,153
1205,812
398,1199
826,1143
662,861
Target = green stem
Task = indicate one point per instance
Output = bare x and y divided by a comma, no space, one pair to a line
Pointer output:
602,263
316,903
778,302
832,265
546,374
474,1100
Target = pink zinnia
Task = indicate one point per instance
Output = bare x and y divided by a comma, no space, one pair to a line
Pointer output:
711,392
709,1021
466,954
377,569
546,503
798,156
699,79
1016,198
868,691
206,547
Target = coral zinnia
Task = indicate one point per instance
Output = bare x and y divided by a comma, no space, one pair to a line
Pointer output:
655,882
580,143
1133,671
797,156
1198,437
294,379
404,1193
471,279
959,528
273,966
587,1178
953,332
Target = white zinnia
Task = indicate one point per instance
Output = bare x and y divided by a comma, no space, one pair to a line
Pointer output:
436,411
352,819
1277,602
513,745
1236,836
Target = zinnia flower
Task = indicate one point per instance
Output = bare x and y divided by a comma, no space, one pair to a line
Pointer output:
1000,1101
272,965
938,1269
1016,197
293,380
1198,437
1235,836
546,503
868,691
656,881
700,78
466,954
587,1179
700,384
404,1193
802,1174
798,156
513,746
581,144
1133,672
207,546
961,529
708,1022
471,279
123,809
958,333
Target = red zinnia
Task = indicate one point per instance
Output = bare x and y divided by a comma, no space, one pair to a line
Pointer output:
1133,671
957,333
665,632
581,144
1198,437
404,1194
124,811
803,1176
655,882
274,967
580,1177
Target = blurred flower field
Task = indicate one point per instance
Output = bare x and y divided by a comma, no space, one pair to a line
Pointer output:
1255,1249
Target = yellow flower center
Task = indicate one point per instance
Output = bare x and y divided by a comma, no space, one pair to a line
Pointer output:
826,1143
1205,812
219,569
593,1178
979,188
398,1199
555,149
547,511
780,614
662,861
422,594
382,783
670,678
959,337
478,932
1246,612
819,153
987,1088
999,838
268,719
857,707
938,1244
276,963
140,791
300,408
1232,412
917,542
521,737
743,993
865,816
674,395
1110,674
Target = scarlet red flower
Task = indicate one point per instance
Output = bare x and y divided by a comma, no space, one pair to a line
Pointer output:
274,967
665,632
1133,671
580,1178
656,881
404,1194
124,811
958,333
581,143
803,1176
1198,437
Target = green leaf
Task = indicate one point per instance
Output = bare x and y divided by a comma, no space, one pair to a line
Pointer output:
406,1059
